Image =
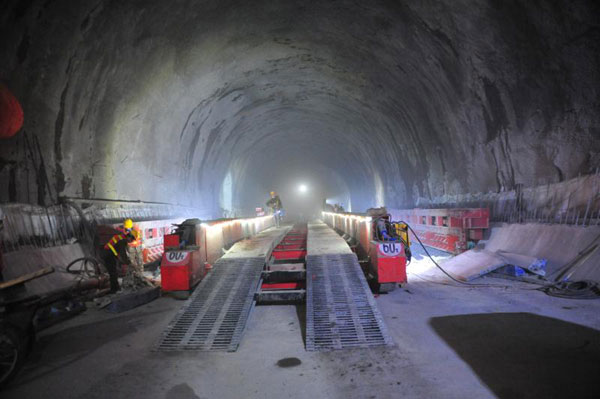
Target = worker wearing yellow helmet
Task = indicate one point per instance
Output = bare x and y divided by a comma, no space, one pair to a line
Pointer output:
128,224
276,207
115,252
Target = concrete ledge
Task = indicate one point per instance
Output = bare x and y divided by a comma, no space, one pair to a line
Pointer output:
124,302
559,244
323,240
259,246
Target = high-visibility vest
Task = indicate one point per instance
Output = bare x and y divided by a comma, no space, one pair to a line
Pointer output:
113,241
137,238
134,243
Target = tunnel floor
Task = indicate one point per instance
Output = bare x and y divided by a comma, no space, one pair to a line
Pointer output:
450,342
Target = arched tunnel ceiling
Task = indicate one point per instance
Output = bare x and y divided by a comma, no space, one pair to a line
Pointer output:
157,100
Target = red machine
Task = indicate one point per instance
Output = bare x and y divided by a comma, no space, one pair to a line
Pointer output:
376,238
183,265
388,262
388,252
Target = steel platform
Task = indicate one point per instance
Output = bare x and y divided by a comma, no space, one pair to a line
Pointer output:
215,316
341,311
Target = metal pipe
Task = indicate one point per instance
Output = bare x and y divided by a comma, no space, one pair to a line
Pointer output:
52,230
587,208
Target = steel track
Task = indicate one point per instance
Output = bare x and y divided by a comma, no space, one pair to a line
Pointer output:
340,309
215,316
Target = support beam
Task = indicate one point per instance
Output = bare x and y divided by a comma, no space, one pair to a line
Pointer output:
280,296
281,276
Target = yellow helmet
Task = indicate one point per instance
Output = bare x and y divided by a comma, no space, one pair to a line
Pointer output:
272,192
128,224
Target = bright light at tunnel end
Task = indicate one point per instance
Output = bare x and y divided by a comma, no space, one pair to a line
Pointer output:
302,188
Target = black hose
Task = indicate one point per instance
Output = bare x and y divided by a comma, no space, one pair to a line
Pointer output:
584,289
90,269
442,269
87,270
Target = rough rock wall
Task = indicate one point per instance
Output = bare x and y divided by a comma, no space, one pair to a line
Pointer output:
157,100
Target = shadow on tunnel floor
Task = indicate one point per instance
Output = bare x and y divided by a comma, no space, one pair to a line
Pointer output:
301,313
524,355
53,351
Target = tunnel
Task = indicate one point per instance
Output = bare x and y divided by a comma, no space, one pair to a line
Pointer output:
184,109
389,103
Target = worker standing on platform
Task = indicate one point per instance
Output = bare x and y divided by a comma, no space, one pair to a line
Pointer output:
275,204
115,253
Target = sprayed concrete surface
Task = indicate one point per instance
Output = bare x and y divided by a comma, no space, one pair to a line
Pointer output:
559,244
98,355
384,101
259,246
323,240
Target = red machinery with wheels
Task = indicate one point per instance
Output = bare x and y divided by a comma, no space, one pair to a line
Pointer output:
388,262
383,244
181,269
388,252
195,246
183,265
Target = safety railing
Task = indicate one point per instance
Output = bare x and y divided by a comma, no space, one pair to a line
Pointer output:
574,202
32,226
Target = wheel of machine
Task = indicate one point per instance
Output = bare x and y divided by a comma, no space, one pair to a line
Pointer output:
387,287
12,352
181,295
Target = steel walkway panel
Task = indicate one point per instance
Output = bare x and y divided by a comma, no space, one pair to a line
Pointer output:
341,311
215,315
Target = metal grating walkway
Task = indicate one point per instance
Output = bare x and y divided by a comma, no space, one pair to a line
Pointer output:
214,317
340,309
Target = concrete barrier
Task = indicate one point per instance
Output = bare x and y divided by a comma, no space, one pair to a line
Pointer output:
559,244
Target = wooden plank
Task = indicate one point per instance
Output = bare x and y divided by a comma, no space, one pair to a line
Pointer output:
26,277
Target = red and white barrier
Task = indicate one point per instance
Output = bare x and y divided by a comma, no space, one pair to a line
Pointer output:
449,230
152,233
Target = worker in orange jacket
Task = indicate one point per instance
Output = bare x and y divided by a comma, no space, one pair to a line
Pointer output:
115,253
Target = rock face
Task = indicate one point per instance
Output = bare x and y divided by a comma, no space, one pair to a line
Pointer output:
384,101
